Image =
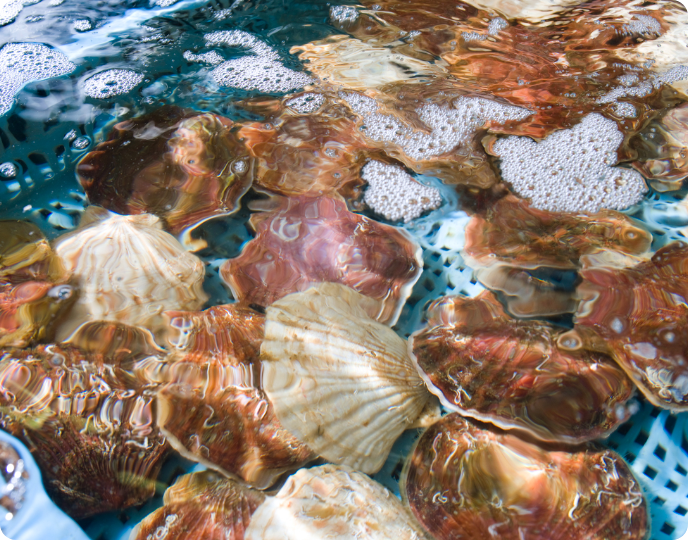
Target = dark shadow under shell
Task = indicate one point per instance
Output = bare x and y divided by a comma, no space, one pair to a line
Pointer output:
309,240
465,481
512,373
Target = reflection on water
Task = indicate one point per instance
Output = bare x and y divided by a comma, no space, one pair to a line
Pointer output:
248,248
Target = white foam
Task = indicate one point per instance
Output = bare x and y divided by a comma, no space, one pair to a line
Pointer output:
212,57
625,110
393,193
306,103
343,14
571,170
21,63
112,82
82,25
496,25
641,25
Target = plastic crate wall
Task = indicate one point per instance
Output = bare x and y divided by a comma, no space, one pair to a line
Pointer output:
655,442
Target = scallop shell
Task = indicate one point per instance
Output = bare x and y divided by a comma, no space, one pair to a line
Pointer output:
336,503
181,166
310,240
640,316
201,506
512,373
339,381
93,436
128,270
228,424
463,481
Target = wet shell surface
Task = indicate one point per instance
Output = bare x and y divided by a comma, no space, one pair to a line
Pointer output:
25,254
309,240
214,377
92,434
184,168
129,270
339,381
336,503
511,373
463,481
640,316
201,506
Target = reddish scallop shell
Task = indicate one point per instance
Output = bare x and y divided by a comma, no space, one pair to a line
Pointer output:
482,363
201,506
464,481
308,240
93,436
229,424
179,165
640,315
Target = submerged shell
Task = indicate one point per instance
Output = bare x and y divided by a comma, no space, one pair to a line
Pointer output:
513,233
336,503
201,506
511,373
215,378
463,481
127,270
640,315
339,381
183,168
310,240
93,436
25,254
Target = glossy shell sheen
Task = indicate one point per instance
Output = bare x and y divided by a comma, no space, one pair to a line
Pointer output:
511,373
183,168
25,254
640,315
93,436
201,506
310,240
127,270
214,377
339,381
463,482
336,503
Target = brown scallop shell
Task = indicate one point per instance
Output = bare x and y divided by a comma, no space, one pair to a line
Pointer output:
182,166
93,437
640,316
308,240
228,423
466,481
201,506
511,373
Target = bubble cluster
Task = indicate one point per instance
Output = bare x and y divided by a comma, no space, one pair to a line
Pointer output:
112,82
473,36
21,63
8,170
165,3
571,170
641,25
343,14
82,25
450,127
306,103
625,110
211,57
496,25
633,87
393,193
260,71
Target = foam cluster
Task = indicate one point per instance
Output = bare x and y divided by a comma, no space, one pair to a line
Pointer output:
211,57
496,25
21,63
9,9
571,170
641,25
306,103
451,127
165,3
260,71
633,87
625,110
393,193
112,82
343,14
82,25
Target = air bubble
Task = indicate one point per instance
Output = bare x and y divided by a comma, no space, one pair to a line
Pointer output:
81,143
8,170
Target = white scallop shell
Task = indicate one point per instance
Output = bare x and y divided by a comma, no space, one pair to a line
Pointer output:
332,502
127,269
340,382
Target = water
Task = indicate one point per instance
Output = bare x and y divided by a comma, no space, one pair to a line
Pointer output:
334,101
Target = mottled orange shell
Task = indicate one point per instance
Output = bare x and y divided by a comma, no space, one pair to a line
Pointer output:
511,373
93,437
465,481
201,506
310,240
214,376
178,165
640,315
